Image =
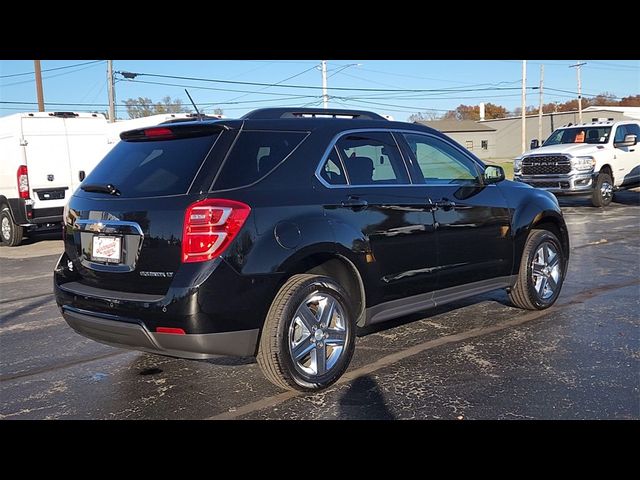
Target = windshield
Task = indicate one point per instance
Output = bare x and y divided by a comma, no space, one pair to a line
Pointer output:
594,134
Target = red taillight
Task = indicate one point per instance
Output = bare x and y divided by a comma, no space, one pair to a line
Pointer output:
158,132
173,331
210,226
23,181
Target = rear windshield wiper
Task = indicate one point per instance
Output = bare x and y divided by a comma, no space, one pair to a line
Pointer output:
94,187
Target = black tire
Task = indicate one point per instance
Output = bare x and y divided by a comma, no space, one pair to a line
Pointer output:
10,233
602,191
275,355
524,293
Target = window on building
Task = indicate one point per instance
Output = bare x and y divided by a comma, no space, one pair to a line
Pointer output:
469,144
485,144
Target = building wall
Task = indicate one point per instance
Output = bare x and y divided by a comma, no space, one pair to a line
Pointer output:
508,134
472,141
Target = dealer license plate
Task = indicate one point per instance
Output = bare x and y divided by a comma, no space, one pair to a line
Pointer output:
107,249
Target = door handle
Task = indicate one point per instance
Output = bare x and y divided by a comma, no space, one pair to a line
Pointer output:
444,204
355,203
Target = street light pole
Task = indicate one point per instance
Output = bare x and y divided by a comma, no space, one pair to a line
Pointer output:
38,71
112,92
577,67
325,97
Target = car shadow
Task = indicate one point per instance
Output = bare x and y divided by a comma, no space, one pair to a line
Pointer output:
363,400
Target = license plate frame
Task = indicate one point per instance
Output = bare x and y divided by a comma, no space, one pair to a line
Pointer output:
106,249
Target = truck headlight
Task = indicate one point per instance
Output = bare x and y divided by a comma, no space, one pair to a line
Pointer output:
517,165
583,163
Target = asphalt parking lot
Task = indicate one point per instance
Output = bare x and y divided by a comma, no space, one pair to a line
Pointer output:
477,359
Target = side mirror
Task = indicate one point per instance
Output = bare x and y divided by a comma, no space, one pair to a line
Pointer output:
534,144
629,141
493,174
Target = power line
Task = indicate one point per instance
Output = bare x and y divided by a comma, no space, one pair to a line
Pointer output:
52,69
132,75
50,76
209,88
274,84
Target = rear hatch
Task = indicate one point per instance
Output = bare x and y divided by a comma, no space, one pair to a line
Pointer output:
124,224
47,159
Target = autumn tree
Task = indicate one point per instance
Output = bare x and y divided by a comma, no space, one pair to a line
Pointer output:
472,112
144,107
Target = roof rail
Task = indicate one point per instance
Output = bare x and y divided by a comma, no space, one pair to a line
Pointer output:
273,113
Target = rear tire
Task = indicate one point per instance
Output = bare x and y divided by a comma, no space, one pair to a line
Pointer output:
603,191
10,233
308,336
541,272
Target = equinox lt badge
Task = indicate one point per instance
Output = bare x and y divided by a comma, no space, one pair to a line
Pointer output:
157,274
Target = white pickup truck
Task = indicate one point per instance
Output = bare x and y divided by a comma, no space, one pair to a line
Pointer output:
594,159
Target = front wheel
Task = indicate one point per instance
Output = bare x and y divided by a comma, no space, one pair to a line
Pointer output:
603,191
541,272
308,337
10,233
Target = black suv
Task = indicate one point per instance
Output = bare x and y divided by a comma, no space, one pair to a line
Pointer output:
278,234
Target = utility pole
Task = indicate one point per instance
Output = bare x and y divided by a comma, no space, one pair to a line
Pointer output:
577,66
524,106
541,88
40,94
325,97
112,92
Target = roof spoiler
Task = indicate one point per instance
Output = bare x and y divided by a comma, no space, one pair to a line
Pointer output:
172,131
273,113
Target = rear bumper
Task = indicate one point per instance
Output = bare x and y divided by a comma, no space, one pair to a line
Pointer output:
129,334
24,214
220,310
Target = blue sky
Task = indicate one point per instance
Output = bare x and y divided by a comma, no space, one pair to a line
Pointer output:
454,82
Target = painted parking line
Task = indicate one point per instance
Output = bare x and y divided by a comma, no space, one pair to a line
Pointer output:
393,358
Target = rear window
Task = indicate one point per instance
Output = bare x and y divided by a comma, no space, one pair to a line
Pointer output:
254,155
155,168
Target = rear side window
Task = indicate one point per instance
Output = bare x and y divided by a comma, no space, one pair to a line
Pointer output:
254,155
152,168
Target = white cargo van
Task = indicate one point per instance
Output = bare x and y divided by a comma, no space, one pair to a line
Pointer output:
43,158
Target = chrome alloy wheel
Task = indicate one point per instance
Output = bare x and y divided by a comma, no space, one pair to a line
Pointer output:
606,191
6,229
317,334
545,270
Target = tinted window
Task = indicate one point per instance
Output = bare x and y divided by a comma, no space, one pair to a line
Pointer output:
372,159
332,170
440,162
254,155
579,135
147,169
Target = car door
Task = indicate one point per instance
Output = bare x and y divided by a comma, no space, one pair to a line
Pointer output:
472,220
372,205
627,159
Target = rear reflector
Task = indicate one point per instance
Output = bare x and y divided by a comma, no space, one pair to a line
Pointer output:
23,181
173,331
210,226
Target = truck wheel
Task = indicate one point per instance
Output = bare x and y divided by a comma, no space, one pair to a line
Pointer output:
603,191
10,233
308,336
541,272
